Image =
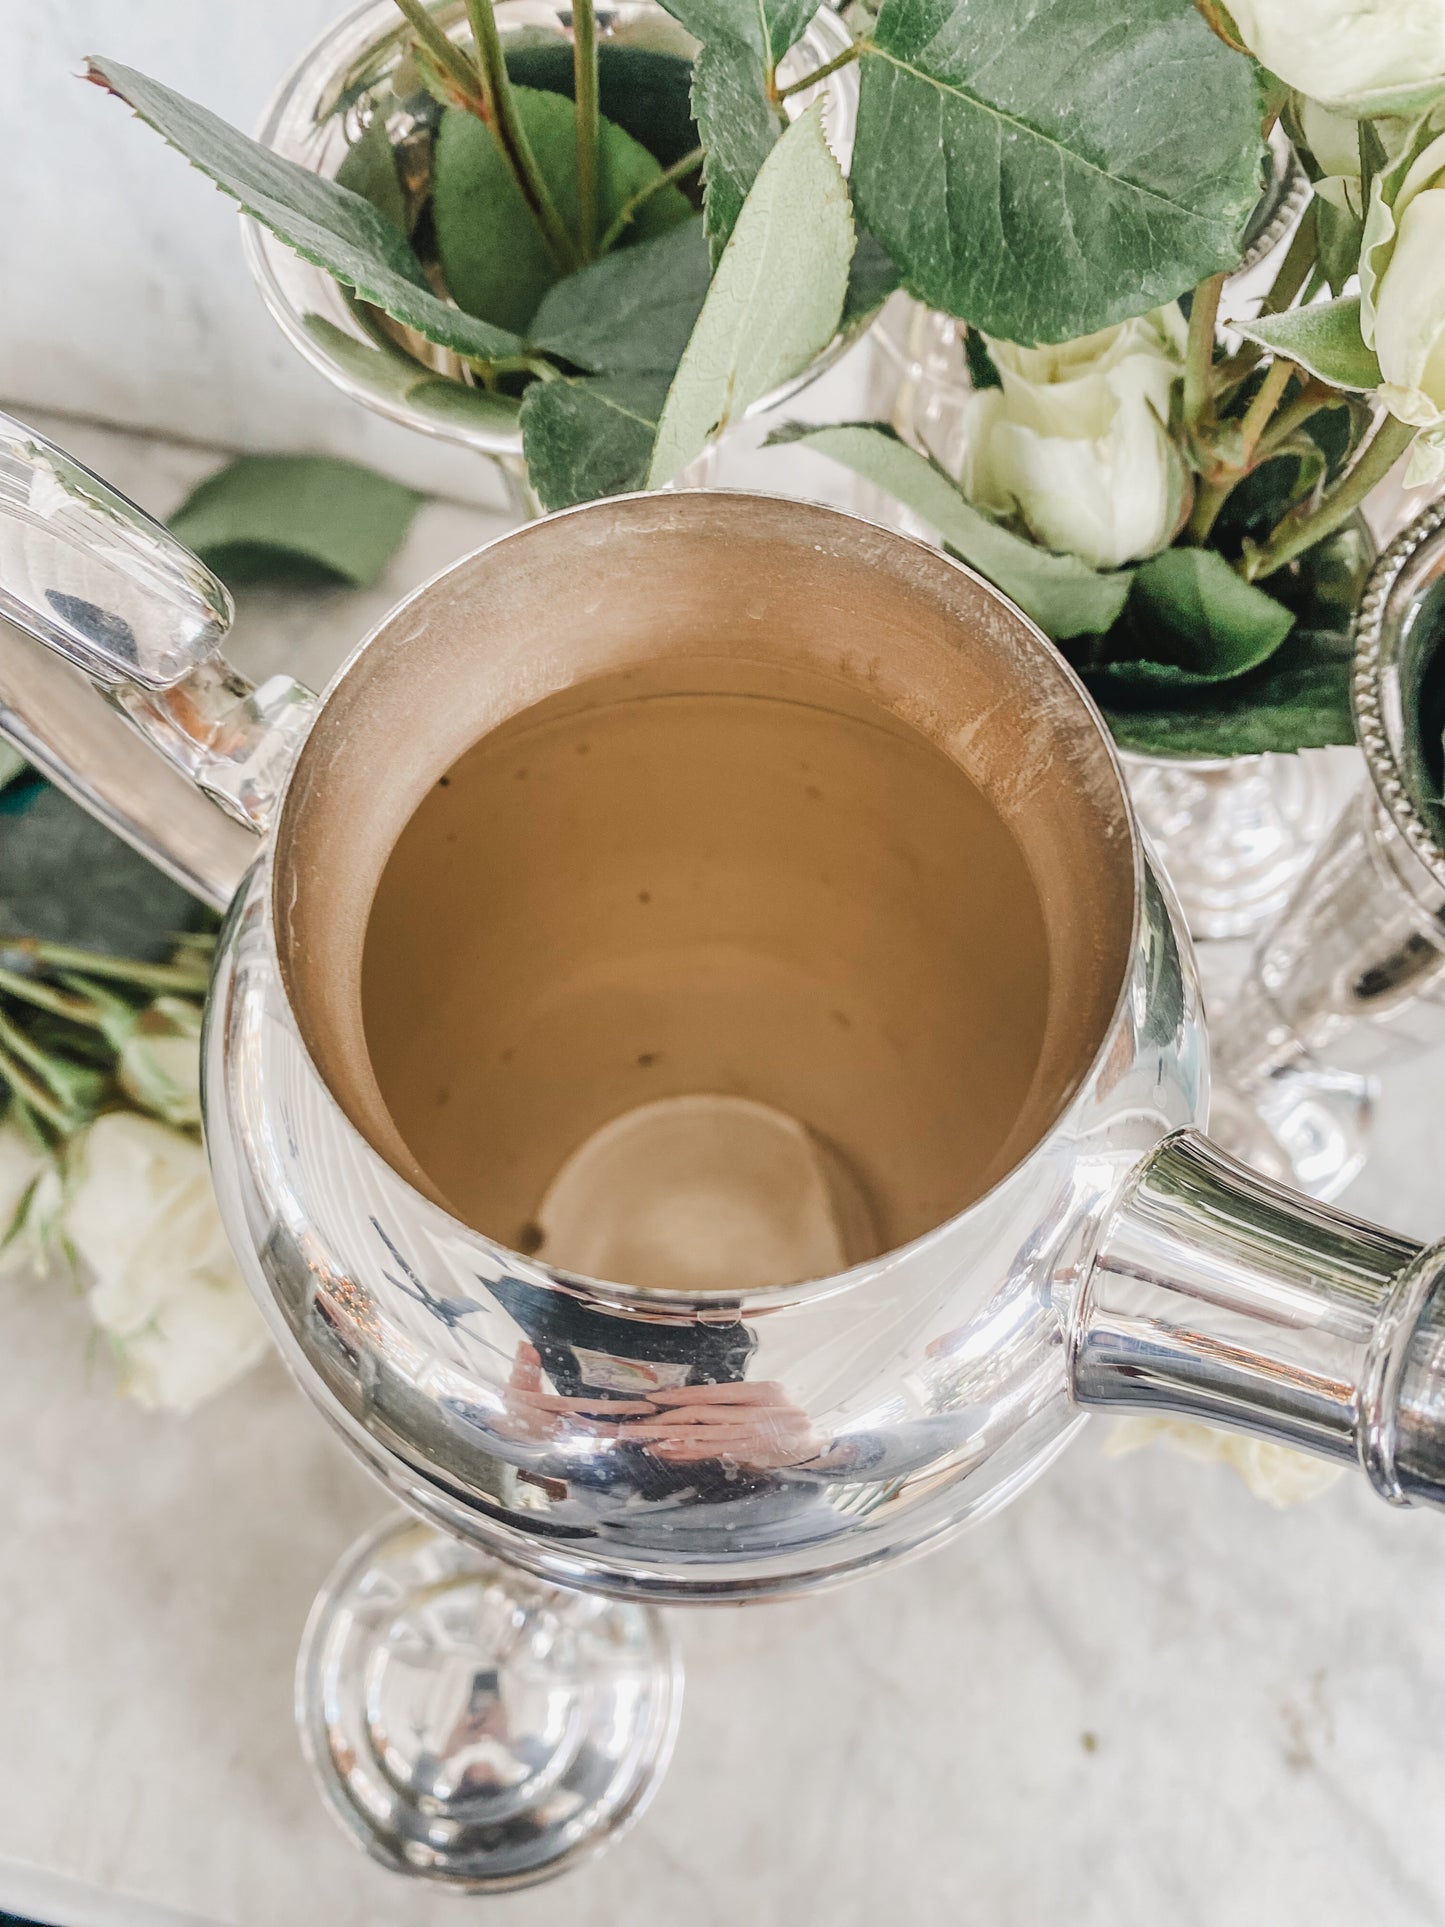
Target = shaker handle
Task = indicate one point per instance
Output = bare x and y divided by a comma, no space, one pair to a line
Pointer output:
101,584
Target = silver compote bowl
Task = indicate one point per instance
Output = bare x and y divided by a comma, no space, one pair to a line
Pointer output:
358,80
1008,1226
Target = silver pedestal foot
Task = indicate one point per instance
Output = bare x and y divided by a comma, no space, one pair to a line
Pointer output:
475,1726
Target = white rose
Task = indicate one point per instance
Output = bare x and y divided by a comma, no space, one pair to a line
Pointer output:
1277,1474
143,1217
31,1194
1076,441
1402,303
1375,55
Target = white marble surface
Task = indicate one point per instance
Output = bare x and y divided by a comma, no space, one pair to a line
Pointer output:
126,295
1137,1698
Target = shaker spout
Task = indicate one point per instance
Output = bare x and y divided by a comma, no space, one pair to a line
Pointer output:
1218,1295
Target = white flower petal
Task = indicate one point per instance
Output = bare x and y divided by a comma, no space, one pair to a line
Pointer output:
1409,302
1277,1474
1339,50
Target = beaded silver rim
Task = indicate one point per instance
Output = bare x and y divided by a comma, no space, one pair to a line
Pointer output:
1367,695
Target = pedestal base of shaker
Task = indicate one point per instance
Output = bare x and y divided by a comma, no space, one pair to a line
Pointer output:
1234,835
474,1726
1309,1127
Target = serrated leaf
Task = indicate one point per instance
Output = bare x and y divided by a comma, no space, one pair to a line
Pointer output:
633,311
586,439
775,300
1299,699
1044,168
769,27
268,517
1197,621
326,224
1062,594
496,263
391,372
739,127
1324,339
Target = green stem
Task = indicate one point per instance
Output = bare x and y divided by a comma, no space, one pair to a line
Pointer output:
513,365
1256,417
511,136
126,970
1298,533
584,89
1315,397
1199,354
18,1048
445,52
844,59
1209,499
32,1094
1295,267
44,996
627,213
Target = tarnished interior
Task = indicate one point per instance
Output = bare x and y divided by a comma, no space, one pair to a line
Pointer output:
703,829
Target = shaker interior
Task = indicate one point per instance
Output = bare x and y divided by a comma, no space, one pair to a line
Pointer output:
705,801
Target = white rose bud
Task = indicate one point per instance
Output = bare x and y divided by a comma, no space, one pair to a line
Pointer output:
1277,1474
143,1218
1354,54
1402,308
1076,441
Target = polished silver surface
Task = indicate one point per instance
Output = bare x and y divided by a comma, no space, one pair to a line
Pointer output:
94,577
842,1422
474,1727
357,71
1352,974
1235,833
1217,1294
104,586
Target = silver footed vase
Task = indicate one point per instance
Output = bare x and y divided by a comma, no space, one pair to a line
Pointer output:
1351,976
486,1692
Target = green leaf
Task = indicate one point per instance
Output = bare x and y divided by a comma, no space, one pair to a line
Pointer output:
739,127
1299,699
496,263
323,222
643,89
1062,594
872,277
587,439
392,372
1324,339
1043,168
65,879
370,171
1198,621
270,516
775,300
633,311
769,27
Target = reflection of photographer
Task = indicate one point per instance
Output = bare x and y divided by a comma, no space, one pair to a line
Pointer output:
752,1425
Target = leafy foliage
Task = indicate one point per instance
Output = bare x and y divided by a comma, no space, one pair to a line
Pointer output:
296,518
775,300
1046,168
496,263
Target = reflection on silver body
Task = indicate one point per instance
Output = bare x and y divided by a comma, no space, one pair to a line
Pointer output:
1120,1262
1352,975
